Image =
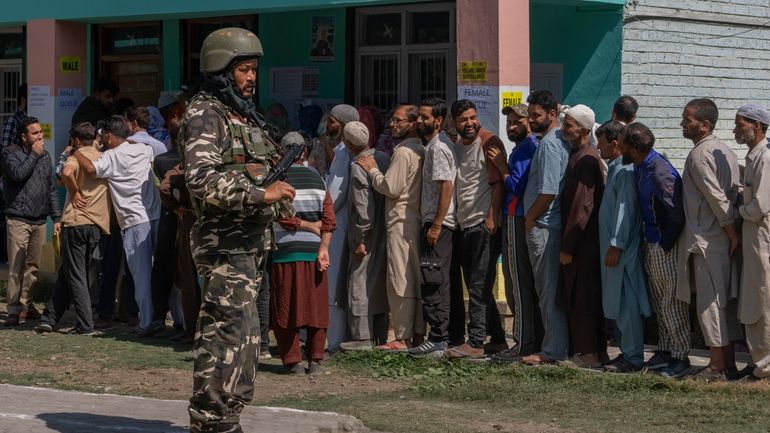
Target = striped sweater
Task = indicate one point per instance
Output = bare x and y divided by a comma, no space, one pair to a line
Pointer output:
301,246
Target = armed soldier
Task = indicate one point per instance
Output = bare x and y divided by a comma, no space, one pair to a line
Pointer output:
227,154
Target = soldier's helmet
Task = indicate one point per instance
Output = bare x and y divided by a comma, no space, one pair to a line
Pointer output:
225,45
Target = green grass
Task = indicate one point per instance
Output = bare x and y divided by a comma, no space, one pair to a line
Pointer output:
115,350
417,395
496,396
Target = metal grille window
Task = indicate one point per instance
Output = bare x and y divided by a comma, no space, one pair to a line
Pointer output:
382,88
414,63
10,79
427,76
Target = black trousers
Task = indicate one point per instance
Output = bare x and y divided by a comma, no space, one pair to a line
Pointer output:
477,267
113,257
164,264
435,295
520,289
78,245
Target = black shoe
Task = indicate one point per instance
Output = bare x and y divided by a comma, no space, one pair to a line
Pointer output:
659,360
676,368
229,427
155,327
43,328
429,348
621,365
314,367
293,369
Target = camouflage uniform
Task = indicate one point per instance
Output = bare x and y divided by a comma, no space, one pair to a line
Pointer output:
228,243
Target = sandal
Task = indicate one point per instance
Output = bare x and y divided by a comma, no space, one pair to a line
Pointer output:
537,359
393,346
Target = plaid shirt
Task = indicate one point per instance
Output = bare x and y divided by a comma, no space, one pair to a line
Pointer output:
11,127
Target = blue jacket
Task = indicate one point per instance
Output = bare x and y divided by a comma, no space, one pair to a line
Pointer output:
660,196
518,170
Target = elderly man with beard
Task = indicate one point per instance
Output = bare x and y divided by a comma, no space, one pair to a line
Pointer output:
581,293
517,270
707,265
401,187
542,205
751,123
479,197
337,181
438,216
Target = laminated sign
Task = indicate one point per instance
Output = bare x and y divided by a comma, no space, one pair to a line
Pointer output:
473,71
69,64
509,99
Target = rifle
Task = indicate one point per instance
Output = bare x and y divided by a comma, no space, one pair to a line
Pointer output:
278,172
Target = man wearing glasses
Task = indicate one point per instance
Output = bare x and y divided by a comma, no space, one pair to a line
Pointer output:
401,187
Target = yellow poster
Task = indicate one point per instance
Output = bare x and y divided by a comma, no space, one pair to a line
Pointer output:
473,71
69,64
46,130
509,99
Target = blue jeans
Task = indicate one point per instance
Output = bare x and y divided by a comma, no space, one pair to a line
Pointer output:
139,244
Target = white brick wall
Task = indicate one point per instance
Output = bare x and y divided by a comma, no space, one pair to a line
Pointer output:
674,57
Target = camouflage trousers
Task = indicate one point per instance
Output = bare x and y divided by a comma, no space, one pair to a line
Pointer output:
226,349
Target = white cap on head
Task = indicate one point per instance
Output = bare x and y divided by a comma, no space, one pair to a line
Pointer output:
582,115
357,134
755,112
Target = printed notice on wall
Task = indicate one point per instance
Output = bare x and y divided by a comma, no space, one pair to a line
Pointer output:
69,98
322,39
509,99
473,71
486,100
69,64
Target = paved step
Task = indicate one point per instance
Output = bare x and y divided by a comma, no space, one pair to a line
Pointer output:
42,410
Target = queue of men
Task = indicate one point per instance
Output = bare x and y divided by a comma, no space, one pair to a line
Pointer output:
591,235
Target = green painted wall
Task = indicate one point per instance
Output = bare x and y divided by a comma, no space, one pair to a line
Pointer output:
286,39
172,55
588,42
15,12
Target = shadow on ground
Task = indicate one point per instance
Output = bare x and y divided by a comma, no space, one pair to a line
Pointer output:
68,422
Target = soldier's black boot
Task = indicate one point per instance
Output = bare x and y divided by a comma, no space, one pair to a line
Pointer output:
229,427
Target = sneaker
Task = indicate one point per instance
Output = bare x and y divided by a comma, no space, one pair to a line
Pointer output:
676,368
429,348
43,328
621,365
659,360
356,345
76,331
155,327
264,353
293,369
465,351
314,367
12,320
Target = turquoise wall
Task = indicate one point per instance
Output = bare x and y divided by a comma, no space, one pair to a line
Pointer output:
588,41
19,12
286,39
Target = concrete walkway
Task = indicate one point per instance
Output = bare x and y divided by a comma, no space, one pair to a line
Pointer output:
42,410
